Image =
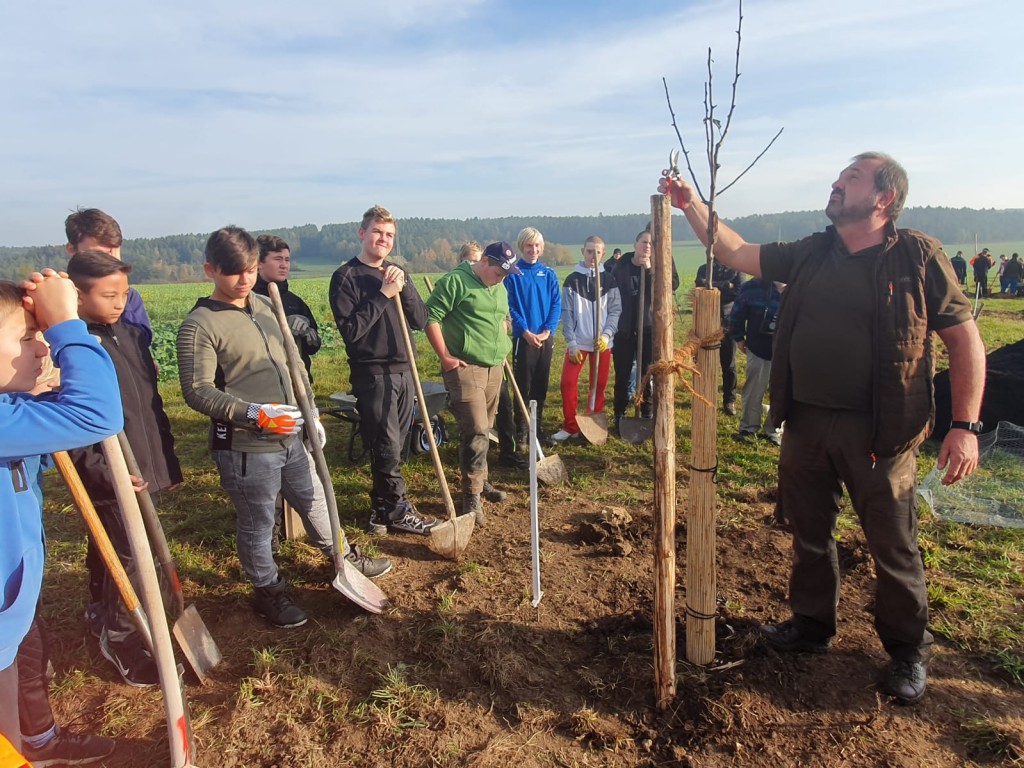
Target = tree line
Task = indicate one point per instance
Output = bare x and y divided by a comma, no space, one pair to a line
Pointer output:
431,245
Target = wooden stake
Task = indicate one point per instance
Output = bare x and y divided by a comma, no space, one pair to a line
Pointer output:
701,584
664,457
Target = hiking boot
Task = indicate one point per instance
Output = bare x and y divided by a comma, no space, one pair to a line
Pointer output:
412,521
513,461
789,637
471,506
493,494
906,681
378,522
133,662
67,748
370,567
275,605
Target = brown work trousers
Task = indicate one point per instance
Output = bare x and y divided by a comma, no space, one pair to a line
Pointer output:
473,400
823,450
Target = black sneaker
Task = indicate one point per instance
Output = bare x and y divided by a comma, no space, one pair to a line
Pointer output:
493,494
789,637
906,681
67,748
370,567
412,521
275,605
729,409
133,662
378,522
741,435
513,461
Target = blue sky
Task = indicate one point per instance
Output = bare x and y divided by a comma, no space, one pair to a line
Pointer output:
183,117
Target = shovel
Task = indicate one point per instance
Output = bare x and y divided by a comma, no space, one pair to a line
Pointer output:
450,538
347,579
550,469
181,741
634,429
194,639
594,426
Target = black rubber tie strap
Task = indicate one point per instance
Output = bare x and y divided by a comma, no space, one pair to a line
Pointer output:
699,615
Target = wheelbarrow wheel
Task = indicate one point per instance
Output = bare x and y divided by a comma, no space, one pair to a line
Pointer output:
420,443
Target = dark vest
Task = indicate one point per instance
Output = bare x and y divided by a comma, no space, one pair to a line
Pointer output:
903,400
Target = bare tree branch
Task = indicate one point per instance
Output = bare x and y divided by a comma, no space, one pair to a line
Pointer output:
682,144
769,146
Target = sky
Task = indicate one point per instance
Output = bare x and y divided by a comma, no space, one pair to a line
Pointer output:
187,116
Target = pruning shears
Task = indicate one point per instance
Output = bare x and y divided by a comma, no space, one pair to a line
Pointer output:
673,164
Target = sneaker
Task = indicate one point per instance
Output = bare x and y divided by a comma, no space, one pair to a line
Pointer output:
275,605
493,494
774,437
133,662
378,522
789,637
562,435
471,506
67,748
94,619
741,435
412,521
729,409
513,461
370,567
906,681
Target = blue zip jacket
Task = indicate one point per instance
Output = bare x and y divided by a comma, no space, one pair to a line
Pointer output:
534,299
85,410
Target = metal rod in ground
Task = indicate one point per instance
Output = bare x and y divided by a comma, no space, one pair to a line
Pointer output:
701,581
538,593
664,457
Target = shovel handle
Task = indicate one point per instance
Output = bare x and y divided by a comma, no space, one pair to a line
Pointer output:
424,413
597,336
102,541
153,527
522,405
640,334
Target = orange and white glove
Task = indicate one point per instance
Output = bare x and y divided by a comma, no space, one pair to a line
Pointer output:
277,418
575,355
602,342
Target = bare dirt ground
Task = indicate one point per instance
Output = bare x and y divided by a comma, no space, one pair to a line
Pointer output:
481,678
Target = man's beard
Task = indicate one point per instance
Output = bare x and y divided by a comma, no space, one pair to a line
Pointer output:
839,213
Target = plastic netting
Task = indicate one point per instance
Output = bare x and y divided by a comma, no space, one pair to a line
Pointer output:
994,494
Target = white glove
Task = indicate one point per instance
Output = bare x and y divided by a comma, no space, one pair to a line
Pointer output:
279,419
320,432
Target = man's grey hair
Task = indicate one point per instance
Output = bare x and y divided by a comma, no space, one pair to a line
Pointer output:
890,175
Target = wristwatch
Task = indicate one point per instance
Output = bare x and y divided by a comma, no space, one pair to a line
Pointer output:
970,426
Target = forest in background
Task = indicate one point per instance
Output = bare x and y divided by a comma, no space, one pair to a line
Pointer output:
431,245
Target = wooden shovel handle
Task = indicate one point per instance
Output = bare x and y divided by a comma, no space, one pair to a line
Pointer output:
424,413
99,534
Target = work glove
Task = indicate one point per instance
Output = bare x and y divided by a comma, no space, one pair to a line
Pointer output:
575,355
277,418
303,331
321,433
602,342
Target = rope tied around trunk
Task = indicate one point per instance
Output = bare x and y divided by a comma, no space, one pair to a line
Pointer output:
680,364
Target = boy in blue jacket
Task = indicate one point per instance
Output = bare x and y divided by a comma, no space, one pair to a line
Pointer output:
85,409
535,305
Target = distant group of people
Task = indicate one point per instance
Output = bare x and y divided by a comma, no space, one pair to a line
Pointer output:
1009,272
845,369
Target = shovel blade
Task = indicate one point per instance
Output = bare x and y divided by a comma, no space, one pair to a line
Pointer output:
594,427
359,589
450,538
551,471
635,430
196,642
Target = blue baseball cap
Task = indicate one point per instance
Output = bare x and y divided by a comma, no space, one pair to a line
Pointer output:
503,254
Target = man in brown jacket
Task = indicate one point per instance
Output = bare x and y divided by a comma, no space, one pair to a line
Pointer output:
851,377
